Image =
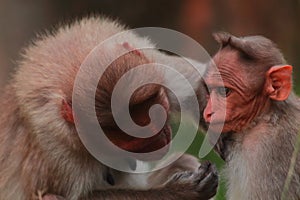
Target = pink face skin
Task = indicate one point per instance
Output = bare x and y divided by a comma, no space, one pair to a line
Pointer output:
230,101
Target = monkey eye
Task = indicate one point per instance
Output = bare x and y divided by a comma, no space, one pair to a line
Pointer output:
223,91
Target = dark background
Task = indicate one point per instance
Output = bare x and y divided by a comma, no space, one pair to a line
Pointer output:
21,20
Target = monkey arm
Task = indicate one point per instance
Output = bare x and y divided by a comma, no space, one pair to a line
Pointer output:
199,185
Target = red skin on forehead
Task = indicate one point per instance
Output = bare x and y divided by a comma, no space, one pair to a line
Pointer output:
226,72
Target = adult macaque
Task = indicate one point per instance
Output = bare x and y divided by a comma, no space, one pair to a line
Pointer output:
262,120
40,151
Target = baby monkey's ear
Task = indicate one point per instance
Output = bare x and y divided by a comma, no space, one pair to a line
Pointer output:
279,82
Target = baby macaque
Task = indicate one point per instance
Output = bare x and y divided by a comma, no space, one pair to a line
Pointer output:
251,83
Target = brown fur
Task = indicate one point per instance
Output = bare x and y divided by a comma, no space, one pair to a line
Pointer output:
40,151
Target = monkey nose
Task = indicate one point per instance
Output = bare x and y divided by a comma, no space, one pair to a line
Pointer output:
207,116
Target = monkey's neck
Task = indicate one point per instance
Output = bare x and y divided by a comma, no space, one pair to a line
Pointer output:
247,138
260,156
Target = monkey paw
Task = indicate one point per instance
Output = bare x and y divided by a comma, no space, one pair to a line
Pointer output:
201,184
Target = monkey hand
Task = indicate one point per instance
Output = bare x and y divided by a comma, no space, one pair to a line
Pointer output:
201,184
185,162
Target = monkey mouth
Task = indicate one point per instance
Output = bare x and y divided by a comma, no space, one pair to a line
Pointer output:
216,123
223,127
216,126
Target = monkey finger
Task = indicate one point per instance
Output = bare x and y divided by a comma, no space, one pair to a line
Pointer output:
180,177
209,178
210,181
203,170
213,169
208,186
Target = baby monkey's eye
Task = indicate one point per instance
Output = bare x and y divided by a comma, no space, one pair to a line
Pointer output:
223,91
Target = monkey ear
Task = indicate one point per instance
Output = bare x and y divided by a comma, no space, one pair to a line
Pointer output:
279,82
67,112
127,46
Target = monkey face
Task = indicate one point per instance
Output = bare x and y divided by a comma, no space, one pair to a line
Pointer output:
231,103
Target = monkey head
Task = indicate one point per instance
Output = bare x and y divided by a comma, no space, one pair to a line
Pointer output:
46,79
243,81
139,105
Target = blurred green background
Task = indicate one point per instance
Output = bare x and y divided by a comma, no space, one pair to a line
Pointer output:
21,20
